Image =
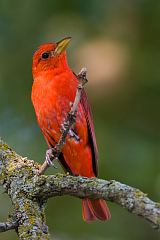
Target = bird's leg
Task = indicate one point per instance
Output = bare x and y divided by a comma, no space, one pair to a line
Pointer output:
63,127
72,132
51,155
74,135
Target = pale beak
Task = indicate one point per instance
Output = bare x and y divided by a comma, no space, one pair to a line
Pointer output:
62,45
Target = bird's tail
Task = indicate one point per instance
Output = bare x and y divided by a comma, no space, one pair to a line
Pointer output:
95,209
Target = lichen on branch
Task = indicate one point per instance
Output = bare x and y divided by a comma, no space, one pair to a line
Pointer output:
15,172
29,193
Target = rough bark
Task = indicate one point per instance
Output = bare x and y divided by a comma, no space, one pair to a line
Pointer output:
29,193
15,173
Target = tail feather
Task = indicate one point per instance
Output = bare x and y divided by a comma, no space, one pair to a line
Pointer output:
95,209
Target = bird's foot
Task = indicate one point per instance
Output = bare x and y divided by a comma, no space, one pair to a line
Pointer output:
73,135
63,127
51,156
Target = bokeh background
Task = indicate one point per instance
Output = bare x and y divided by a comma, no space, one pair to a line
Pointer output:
119,43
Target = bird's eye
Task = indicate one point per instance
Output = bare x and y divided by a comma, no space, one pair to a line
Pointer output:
45,55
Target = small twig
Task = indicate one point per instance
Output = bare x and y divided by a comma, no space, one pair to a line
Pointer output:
5,226
69,121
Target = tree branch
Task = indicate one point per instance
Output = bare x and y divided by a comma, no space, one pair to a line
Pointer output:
15,171
29,193
5,226
127,197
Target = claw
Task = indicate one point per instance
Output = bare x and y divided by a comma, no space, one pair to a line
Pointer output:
72,134
71,104
50,157
63,128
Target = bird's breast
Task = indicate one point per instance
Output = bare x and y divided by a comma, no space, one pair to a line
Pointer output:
52,98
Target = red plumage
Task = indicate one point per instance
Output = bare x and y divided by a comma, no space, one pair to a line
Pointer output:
53,90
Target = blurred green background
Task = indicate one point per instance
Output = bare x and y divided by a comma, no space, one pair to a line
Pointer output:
119,43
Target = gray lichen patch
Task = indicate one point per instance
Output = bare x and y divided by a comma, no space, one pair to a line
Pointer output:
15,172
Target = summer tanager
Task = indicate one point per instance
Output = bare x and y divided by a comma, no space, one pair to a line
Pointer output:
53,91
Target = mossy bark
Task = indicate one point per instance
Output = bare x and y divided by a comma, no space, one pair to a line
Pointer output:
29,193
15,171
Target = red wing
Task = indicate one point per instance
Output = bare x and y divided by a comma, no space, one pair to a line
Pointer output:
92,137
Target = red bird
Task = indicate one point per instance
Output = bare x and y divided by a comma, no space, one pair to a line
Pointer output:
53,90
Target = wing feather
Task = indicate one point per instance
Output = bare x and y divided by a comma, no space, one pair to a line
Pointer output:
92,137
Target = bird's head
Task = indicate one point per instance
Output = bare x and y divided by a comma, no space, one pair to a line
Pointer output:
50,56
